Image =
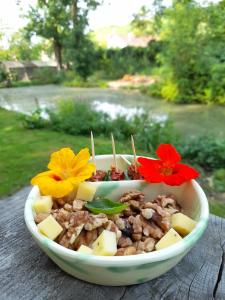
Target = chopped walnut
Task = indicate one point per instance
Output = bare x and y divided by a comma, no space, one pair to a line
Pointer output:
76,231
132,195
151,229
149,244
137,228
128,212
86,238
95,221
147,213
78,205
160,216
124,242
61,215
126,251
79,217
68,207
135,205
136,236
136,223
40,217
171,210
162,221
120,222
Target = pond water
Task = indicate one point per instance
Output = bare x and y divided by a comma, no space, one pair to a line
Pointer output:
190,120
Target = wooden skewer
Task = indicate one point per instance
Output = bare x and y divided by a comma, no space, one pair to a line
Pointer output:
125,160
93,150
134,153
114,151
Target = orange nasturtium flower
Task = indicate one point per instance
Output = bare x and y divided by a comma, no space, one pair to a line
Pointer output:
66,170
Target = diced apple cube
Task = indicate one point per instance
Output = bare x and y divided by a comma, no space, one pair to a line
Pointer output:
86,191
84,249
170,238
105,244
50,227
182,223
43,204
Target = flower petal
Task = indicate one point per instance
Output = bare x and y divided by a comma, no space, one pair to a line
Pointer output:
50,183
182,173
150,169
84,172
81,159
62,160
168,154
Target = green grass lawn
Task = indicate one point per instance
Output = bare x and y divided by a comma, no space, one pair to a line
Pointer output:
24,152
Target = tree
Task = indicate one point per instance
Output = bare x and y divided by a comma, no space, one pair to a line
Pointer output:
50,19
142,24
63,22
193,54
20,48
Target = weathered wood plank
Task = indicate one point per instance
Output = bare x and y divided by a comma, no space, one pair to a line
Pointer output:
25,273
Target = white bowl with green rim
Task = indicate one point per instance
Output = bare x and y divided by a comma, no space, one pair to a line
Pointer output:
132,269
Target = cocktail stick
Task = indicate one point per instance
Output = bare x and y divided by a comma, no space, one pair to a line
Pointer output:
114,152
134,153
93,150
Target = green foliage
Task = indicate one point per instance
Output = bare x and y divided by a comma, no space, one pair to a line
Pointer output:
22,49
169,91
77,118
193,58
217,208
33,121
129,60
153,90
80,118
47,76
64,23
205,151
142,24
85,59
219,180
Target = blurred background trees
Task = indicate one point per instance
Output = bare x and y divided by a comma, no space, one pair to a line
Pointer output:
184,53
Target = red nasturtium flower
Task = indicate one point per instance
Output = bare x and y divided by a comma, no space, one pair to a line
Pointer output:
167,168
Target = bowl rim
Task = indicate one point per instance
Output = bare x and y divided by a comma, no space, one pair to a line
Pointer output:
172,251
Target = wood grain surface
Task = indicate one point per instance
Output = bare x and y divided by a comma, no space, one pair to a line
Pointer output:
27,273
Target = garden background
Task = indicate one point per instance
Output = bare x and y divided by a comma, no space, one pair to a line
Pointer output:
160,76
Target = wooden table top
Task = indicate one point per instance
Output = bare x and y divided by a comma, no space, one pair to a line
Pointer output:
27,273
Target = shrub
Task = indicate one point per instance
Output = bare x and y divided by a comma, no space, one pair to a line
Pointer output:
169,91
34,121
77,118
205,151
46,76
80,118
219,180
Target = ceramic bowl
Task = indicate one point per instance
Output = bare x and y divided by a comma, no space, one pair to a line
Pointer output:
132,269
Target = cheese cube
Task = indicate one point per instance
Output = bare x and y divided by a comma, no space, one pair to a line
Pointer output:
170,238
50,227
182,223
86,191
105,244
85,249
43,204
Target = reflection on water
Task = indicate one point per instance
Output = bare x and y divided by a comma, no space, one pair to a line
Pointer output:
189,119
113,110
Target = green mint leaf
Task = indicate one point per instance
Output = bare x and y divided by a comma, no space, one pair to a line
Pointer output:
105,206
